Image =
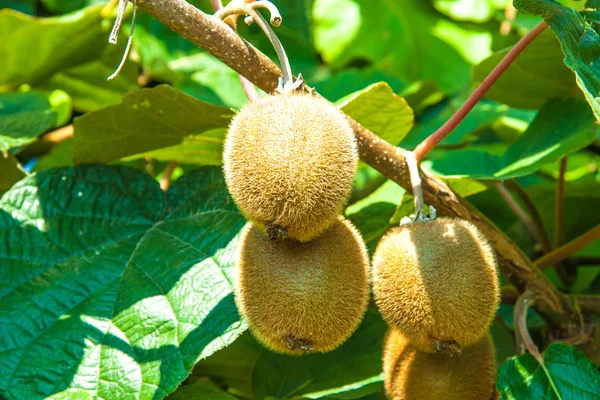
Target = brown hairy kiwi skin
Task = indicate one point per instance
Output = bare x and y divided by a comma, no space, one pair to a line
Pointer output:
410,374
437,282
289,163
303,297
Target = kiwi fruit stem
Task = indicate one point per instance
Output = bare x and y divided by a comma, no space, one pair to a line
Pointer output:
237,7
415,180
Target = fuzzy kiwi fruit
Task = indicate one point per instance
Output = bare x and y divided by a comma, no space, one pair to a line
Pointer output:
437,282
303,297
410,374
289,163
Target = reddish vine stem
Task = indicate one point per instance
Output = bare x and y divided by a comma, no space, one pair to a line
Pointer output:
221,41
568,249
560,196
428,144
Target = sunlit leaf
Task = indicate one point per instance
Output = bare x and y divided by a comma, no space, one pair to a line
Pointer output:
112,286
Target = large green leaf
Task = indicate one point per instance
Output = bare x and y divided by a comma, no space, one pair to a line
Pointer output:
57,43
403,38
580,43
10,172
23,116
560,128
382,111
574,376
148,119
355,364
536,76
112,286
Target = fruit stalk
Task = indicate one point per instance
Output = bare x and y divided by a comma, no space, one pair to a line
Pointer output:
216,37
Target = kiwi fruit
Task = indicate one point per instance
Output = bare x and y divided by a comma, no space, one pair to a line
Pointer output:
437,282
303,297
289,163
410,374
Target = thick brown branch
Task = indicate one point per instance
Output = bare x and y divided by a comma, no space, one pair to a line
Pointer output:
220,40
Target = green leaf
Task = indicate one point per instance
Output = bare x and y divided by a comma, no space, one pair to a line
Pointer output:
382,111
66,6
536,76
574,376
394,40
204,149
57,43
23,116
470,10
60,155
24,6
560,128
110,285
355,364
208,79
87,84
10,172
580,43
148,119
200,389
373,221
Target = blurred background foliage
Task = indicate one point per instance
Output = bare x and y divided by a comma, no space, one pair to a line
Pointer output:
401,68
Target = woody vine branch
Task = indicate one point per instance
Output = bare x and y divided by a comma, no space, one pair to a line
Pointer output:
216,37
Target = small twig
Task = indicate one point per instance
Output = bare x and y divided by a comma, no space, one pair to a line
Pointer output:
568,249
510,13
524,341
216,4
165,180
249,89
428,144
129,40
559,208
542,234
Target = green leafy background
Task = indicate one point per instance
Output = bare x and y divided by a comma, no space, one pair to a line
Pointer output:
113,288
